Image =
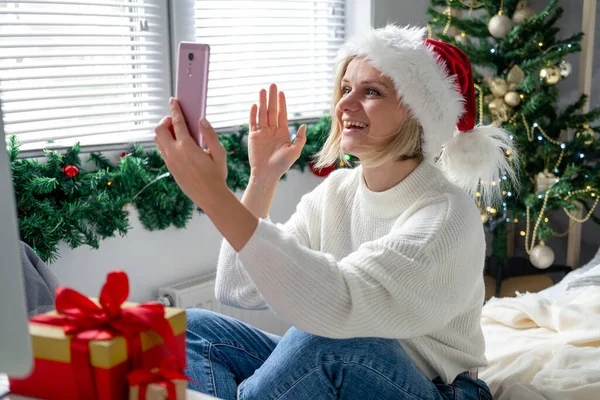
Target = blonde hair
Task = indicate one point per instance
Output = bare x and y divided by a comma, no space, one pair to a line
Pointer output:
405,144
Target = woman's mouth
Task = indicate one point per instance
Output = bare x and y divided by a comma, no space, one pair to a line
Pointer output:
354,126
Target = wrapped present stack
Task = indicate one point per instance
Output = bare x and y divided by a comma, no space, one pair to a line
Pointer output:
92,349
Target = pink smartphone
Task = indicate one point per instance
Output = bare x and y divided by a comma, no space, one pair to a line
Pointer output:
192,84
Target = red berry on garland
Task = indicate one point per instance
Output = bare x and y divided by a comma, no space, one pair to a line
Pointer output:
123,154
322,172
71,171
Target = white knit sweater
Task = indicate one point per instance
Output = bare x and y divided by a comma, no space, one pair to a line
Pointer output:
406,263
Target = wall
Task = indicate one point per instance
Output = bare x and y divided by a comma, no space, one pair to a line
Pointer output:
399,12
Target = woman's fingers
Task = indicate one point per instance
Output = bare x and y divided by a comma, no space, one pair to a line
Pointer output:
211,139
263,121
162,130
181,130
161,150
272,109
252,120
282,119
300,141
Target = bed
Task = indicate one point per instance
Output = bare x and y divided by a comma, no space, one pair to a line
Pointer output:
546,345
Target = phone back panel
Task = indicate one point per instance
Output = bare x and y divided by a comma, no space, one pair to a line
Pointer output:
192,84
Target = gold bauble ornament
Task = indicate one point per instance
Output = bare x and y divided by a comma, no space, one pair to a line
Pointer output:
544,181
499,26
498,86
499,109
541,256
522,14
565,68
550,75
588,134
513,99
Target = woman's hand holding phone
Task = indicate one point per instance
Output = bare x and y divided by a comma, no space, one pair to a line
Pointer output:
270,150
200,173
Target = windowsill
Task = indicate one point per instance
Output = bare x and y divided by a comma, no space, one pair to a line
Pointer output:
146,143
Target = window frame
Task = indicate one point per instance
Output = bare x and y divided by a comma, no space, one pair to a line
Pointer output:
179,15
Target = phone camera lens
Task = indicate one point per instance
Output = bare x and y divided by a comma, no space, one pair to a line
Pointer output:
191,56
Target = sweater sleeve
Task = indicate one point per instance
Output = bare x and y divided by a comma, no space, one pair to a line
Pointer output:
409,283
233,286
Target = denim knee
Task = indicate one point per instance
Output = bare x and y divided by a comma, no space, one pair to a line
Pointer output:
323,346
325,367
202,323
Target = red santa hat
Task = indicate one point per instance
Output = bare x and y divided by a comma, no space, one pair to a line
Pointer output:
435,80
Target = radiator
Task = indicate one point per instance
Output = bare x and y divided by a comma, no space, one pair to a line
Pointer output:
200,293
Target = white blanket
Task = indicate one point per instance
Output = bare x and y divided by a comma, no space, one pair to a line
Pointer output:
543,349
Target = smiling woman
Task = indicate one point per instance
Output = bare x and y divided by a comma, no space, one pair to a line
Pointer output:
380,270
371,122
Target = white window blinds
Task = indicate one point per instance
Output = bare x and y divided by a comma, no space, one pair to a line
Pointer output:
292,43
96,72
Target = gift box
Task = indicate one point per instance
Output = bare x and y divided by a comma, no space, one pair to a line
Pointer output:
86,348
159,391
163,383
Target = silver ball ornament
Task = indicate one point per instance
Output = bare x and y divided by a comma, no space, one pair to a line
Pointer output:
565,68
541,256
499,26
522,15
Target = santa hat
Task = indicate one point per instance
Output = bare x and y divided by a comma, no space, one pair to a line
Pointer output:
435,80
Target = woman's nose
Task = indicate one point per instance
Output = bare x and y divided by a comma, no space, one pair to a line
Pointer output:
349,102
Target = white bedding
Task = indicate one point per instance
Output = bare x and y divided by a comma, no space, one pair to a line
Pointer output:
592,268
546,345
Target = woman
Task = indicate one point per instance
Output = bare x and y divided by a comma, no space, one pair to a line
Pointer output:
380,270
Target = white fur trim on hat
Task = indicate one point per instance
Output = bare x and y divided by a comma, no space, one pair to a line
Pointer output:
421,82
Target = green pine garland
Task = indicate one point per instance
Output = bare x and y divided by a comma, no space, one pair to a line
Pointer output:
92,205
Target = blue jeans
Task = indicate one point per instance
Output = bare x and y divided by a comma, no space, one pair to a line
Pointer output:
228,358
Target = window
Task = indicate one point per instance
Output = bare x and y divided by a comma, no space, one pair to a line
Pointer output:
87,71
100,72
292,43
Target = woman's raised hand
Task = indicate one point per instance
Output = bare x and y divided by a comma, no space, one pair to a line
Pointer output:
270,149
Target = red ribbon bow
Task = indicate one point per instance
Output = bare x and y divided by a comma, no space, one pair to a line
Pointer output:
164,376
85,320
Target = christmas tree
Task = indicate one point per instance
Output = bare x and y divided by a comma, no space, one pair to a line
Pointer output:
518,60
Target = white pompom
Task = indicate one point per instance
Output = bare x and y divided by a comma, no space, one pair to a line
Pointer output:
476,161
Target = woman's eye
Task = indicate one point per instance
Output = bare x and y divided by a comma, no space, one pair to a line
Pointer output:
368,92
